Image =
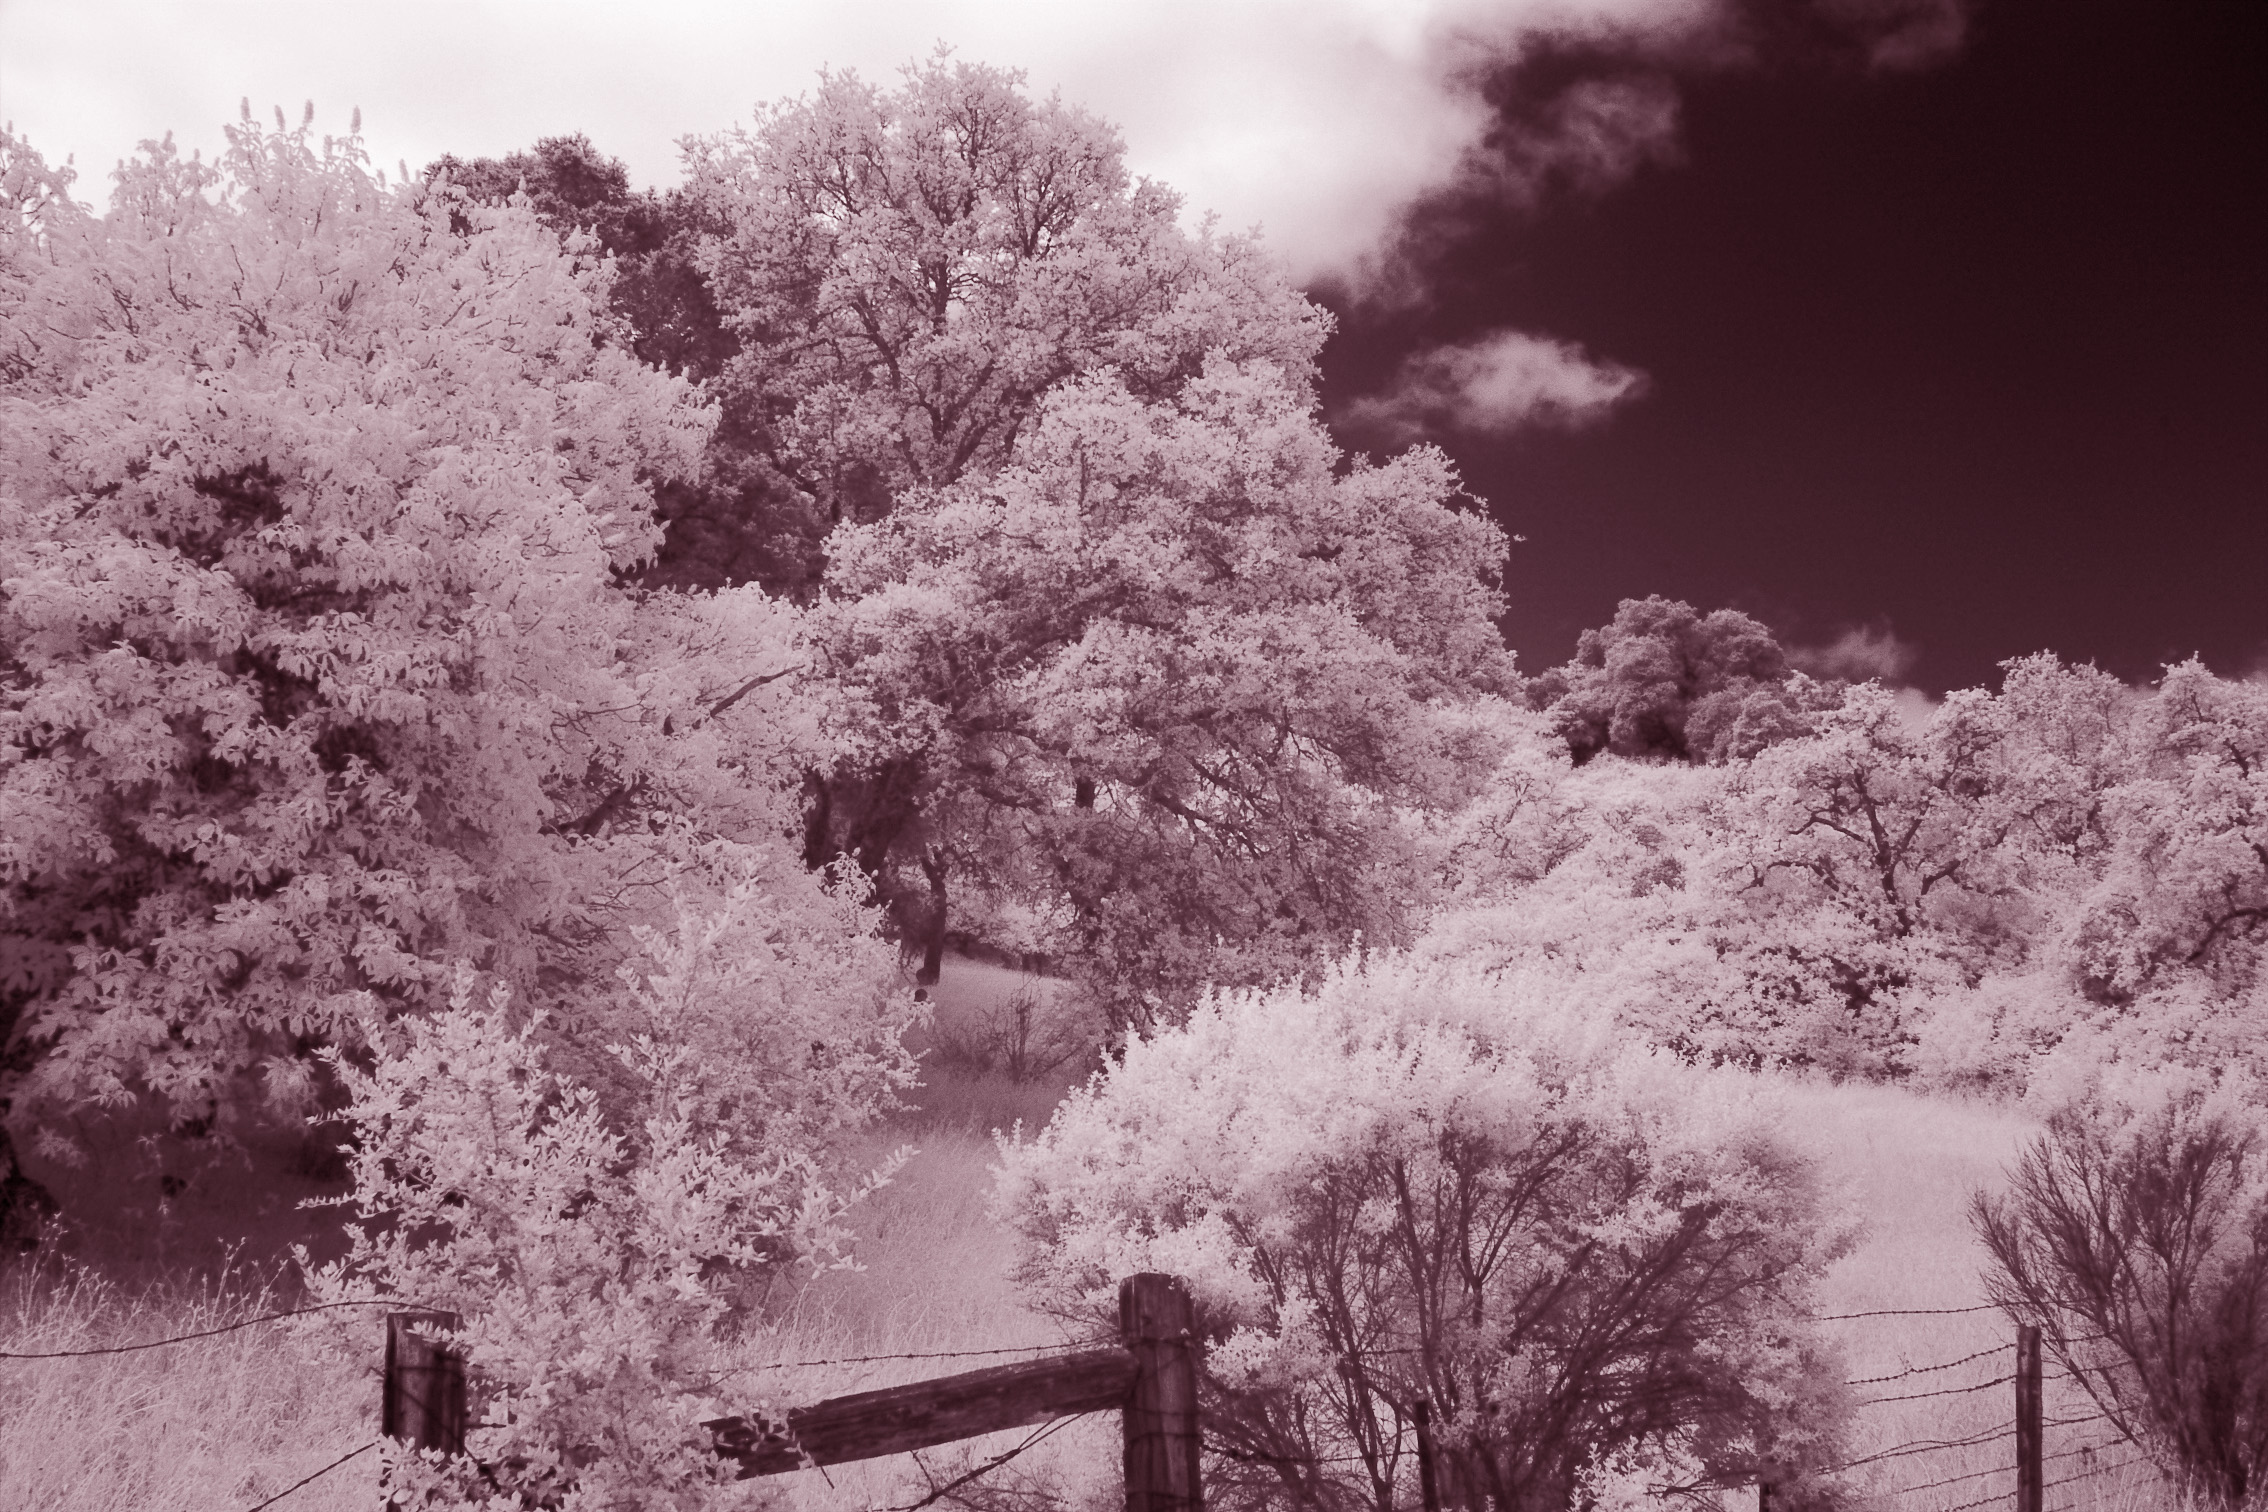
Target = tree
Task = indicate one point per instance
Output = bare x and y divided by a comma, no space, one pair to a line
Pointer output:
1167,673
314,499
1404,1183
1666,681
2135,1236
652,237
2185,885
907,272
728,522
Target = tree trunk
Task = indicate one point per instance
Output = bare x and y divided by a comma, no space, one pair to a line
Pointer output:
933,866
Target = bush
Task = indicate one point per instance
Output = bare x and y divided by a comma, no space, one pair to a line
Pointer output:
2135,1234
1412,1184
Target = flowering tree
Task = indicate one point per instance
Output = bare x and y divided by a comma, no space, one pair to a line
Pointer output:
1166,673
317,679
1433,1184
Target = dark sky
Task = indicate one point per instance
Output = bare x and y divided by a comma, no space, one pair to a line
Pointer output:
1979,350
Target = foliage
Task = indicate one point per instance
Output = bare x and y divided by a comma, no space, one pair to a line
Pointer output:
318,675
652,238
1663,680
728,522
909,271
1164,673
2135,1235
2068,865
1413,1182
606,1247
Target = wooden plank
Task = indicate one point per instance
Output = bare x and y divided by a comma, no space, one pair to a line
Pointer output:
898,1418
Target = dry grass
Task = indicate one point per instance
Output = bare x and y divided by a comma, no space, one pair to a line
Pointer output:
221,1423
1910,1164
216,1423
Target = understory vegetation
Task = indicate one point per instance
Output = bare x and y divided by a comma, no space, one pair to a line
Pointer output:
522,704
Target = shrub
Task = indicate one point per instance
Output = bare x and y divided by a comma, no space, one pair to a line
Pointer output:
1410,1184
2135,1234
607,1239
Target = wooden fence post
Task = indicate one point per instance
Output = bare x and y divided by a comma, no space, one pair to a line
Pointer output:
2030,1487
1155,1320
1429,1490
423,1400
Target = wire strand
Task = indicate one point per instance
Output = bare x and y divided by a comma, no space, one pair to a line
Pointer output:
208,1333
318,1475
1924,1446
1954,1480
1916,1396
1915,1370
1907,1312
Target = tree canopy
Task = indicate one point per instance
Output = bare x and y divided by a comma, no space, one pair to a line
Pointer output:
1168,673
907,271
319,679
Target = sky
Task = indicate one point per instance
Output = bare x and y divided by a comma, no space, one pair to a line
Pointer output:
1934,329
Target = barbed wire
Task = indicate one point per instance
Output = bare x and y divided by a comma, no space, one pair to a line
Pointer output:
2082,1449
1035,1437
1915,1370
2072,1506
1917,1396
1906,1312
318,1475
884,1359
1954,1480
1923,1446
207,1333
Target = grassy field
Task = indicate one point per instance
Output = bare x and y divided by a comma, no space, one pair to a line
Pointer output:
222,1423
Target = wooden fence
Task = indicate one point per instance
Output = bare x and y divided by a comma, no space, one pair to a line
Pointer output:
1150,1380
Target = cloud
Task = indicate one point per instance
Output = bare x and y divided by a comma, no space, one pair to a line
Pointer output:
1323,120
1502,382
1858,654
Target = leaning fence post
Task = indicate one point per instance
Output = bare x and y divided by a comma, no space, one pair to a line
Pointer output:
423,1400
1155,1320
2030,1488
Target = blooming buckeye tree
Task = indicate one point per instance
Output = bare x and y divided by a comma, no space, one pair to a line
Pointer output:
1168,673
1407,1183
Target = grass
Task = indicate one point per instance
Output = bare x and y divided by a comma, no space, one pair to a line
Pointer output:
221,1423
1910,1164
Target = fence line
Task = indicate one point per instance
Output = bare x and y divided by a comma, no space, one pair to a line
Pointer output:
1915,1370
1896,1452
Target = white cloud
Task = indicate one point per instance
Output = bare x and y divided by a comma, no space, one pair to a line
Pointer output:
1858,654
1319,119
1504,381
